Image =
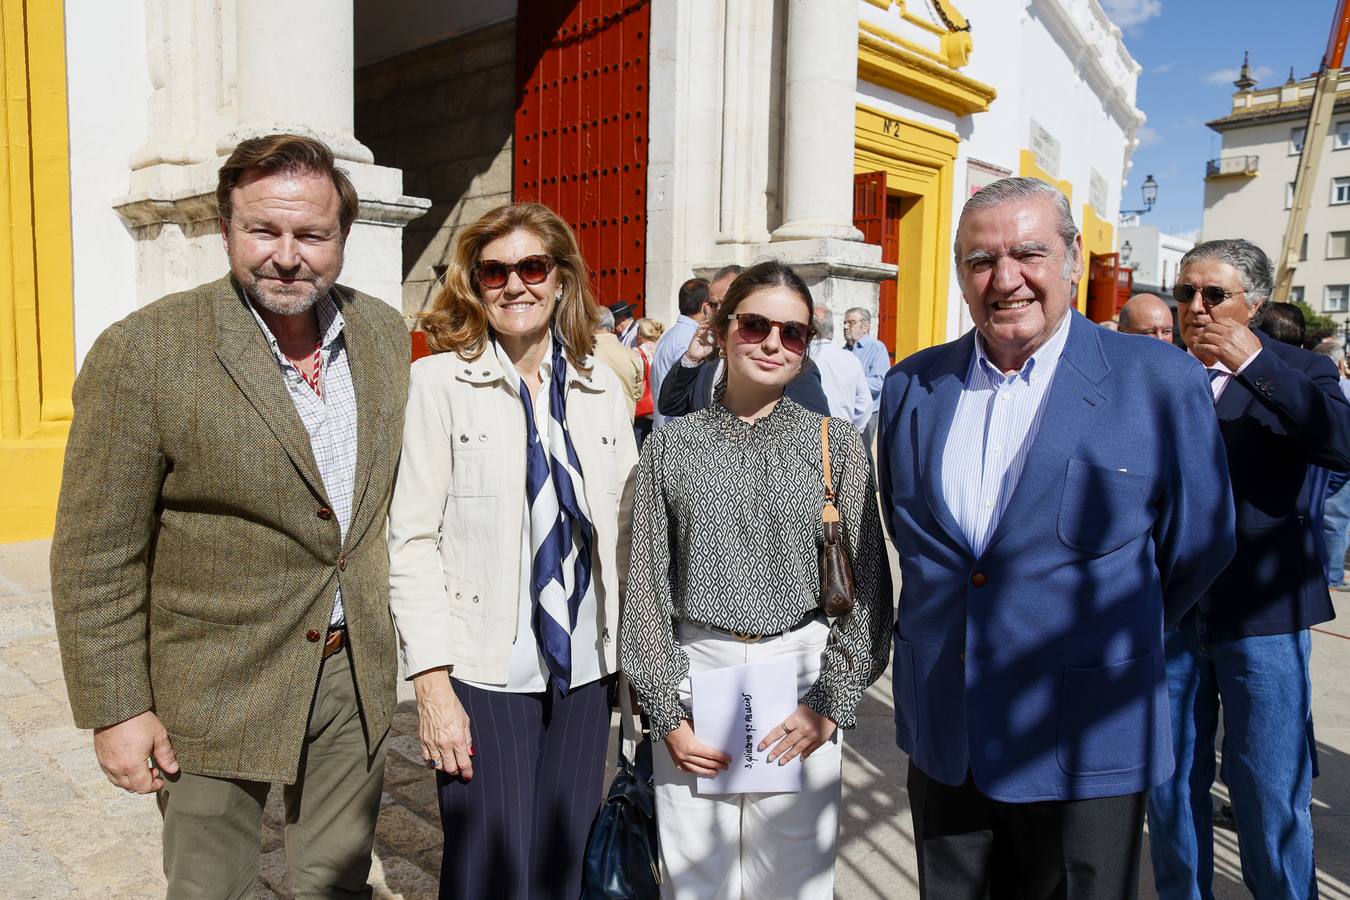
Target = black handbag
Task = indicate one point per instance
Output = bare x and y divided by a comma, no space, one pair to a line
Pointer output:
621,860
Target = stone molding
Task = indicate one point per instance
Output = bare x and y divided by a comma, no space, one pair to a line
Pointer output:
885,62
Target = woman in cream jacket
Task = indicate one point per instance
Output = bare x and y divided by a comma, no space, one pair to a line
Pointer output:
505,565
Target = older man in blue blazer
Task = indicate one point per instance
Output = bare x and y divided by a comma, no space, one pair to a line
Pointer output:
1058,494
1245,645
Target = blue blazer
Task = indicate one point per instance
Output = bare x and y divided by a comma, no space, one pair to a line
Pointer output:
1284,414
1038,667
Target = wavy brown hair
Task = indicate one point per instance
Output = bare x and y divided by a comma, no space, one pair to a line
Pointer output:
457,321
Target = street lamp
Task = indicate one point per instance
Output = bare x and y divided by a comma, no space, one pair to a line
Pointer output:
1125,250
1149,189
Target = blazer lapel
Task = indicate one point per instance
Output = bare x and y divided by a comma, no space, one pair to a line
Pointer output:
369,361
1235,399
1071,408
242,350
944,382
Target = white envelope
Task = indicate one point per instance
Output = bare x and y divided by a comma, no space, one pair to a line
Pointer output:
734,708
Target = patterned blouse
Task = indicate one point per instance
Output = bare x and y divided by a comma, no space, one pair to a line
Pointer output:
727,531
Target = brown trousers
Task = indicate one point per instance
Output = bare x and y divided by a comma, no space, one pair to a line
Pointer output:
213,826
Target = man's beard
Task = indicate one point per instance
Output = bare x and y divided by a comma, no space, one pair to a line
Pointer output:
290,305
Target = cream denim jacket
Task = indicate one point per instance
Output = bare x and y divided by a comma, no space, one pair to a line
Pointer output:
456,517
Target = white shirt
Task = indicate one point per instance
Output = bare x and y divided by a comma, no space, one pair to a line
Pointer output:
995,424
845,383
528,672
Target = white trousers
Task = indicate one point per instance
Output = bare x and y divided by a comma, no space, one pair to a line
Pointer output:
750,846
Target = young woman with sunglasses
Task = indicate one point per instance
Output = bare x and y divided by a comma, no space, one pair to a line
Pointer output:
726,533
504,571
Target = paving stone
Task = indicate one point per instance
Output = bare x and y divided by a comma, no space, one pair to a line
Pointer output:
24,568
402,833
14,683
403,879
101,872
420,797
80,765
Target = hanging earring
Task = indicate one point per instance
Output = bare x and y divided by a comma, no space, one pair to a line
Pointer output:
558,296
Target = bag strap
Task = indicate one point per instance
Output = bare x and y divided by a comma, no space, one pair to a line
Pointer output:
630,727
828,513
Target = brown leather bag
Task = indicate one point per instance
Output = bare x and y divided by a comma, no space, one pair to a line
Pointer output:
836,575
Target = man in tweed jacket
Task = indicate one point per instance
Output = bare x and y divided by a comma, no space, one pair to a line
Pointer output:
219,569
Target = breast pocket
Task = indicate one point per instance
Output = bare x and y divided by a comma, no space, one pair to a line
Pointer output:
477,462
1102,509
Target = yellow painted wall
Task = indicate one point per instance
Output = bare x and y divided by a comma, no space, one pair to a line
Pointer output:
1099,238
37,366
1029,168
919,162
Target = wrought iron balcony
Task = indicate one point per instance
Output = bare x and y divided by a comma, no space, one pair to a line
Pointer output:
1232,167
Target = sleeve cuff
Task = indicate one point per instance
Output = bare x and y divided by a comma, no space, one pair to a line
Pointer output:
842,710
664,715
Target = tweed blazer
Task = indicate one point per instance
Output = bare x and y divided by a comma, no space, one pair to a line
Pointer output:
191,562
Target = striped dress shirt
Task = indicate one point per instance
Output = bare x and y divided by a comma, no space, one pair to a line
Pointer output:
995,424
329,418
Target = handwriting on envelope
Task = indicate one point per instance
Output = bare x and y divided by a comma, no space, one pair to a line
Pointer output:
734,708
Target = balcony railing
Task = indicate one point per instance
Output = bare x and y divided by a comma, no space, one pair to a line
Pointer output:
1232,167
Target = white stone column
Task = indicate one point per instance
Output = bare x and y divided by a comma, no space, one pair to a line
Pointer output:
821,67
235,69
295,73
746,92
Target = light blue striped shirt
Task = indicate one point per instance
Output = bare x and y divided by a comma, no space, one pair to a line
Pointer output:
992,431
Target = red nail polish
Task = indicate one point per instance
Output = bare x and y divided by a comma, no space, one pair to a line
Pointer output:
471,750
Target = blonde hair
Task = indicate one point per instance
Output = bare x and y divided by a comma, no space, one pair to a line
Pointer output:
457,321
650,329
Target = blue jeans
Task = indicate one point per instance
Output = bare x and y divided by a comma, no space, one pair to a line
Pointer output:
1335,528
1267,763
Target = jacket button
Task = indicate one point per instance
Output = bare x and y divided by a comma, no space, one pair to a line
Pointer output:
978,579
963,657
342,563
324,513
312,636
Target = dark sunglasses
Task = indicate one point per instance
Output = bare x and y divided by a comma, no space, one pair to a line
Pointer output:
492,273
754,329
1210,294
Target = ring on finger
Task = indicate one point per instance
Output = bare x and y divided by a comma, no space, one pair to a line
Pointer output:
433,763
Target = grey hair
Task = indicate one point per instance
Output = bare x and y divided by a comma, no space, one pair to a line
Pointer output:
863,313
604,318
1016,190
723,272
824,317
1251,262
1331,349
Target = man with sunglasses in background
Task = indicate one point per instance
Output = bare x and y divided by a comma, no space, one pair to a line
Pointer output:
1246,644
1057,494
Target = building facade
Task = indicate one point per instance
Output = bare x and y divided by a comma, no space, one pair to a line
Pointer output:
676,136
1249,188
1152,256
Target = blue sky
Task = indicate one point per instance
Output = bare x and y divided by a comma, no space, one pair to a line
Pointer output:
1190,51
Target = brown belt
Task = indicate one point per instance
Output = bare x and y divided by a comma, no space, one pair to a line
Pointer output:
336,639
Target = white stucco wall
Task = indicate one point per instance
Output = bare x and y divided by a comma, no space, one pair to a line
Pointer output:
1043,75
107,86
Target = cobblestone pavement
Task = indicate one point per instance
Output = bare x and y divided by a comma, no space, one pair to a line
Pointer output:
66,832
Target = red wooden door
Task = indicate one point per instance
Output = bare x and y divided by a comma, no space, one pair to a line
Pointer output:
877,215
581,130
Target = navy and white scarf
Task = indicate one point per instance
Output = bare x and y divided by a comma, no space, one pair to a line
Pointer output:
561,533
